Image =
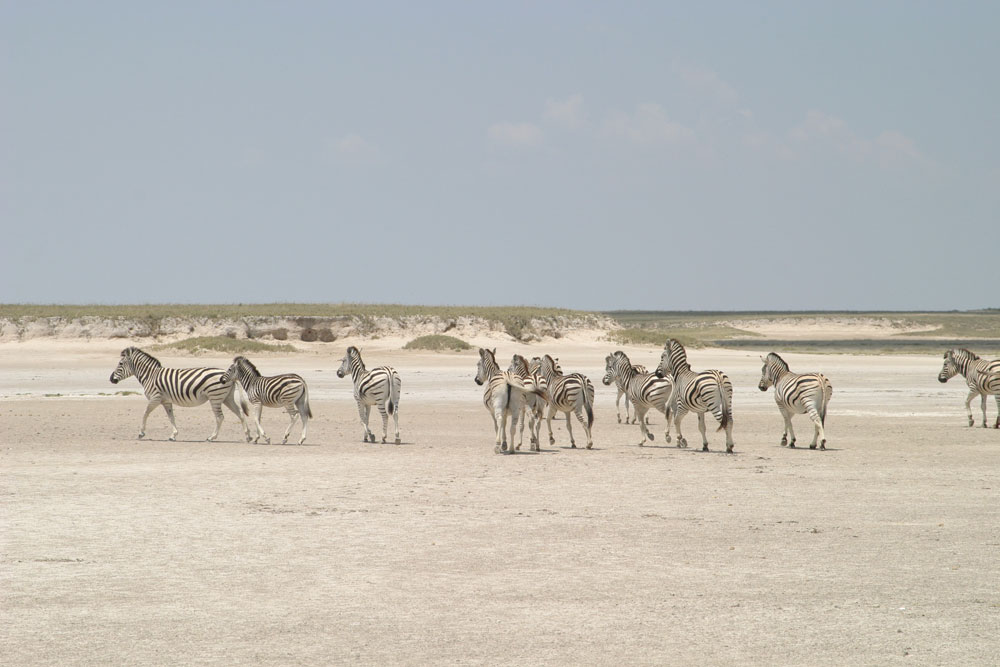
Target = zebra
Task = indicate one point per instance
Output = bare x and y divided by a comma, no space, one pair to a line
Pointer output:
185,387
288,391
621,392
534,403
976,372
503,396
568,393
645,390
807,393
379,387
707,391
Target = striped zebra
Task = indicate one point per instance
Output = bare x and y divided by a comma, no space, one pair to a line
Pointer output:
707,391
288,391
379,387
621,392
184,387
808,393
568,393
534,403
645,390
503,396
977,373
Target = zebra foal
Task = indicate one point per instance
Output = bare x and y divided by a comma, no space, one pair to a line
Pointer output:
288,391
977,373
644,390
185,387
707,391
808,393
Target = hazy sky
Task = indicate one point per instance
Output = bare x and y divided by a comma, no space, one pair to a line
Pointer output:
798,155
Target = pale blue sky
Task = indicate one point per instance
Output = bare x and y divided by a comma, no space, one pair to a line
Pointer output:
588,155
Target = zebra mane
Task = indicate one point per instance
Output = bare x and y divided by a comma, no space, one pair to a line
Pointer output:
618,354
677,352
248,365
962,353
133,353
520,362
773,357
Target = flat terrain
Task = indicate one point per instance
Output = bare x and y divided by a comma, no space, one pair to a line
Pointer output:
882,550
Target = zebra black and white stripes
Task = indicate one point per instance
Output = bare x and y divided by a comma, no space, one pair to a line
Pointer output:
568,393
644,390
707,391
184,387
288,391
379,387
808,393
977,373
534,399
504,396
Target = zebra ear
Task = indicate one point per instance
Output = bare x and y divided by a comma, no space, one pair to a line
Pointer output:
494,352
762,358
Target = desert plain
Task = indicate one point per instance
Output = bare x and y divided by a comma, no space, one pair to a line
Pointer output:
881,550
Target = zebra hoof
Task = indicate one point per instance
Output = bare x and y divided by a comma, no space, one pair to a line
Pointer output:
729,449
650,436
383,439
822,445
666,436
572,445
812,446
140,436
398,441
704,448
496,449
619,419
791,445
590,445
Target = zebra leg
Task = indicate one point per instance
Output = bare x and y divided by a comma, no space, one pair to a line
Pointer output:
548,422
678,416
641,414
791,431
618,406
170,415
293,414
364,411
818,434
997,397
569,429
985,425
520,440
217,411
729,431
257,413
149,408
395,421
230,402
515,416
586,427
968,406
304,416
701,427
385,422
787,419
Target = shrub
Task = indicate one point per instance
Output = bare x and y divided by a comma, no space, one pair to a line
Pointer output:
223,344
437,343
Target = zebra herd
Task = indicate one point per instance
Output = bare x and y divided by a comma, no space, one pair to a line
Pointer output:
527,391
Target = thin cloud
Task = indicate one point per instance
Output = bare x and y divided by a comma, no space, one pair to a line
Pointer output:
568,113
648,125
356,149
514,135
705,81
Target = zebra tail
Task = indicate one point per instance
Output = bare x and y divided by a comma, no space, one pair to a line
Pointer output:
303,406
587,406
823,401
393,394
724,402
